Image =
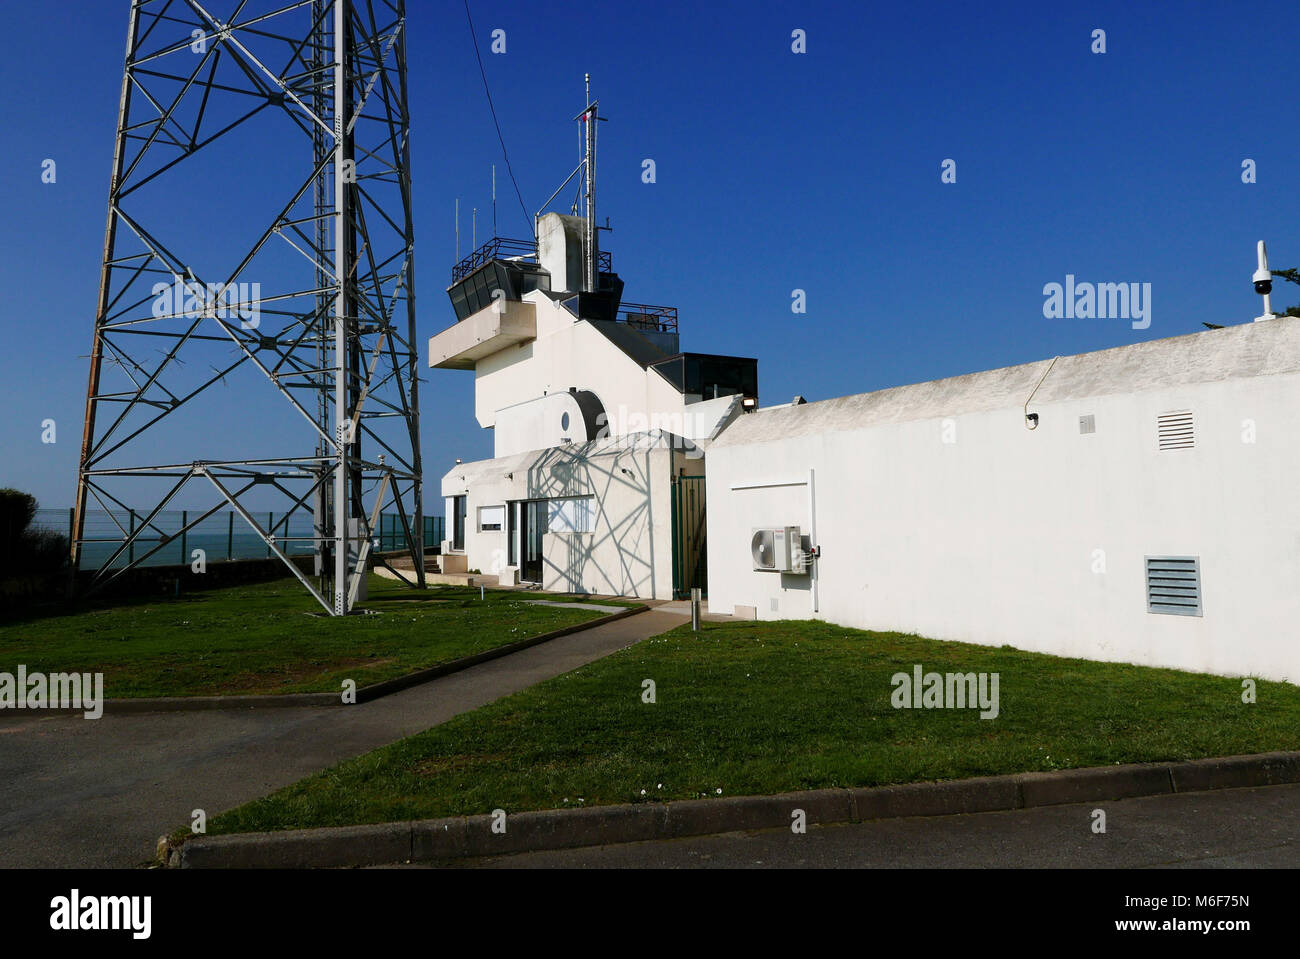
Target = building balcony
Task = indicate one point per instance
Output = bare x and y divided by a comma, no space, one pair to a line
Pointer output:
493,328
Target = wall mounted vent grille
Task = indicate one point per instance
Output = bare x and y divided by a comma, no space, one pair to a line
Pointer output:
1174,585
1088,424
1176,431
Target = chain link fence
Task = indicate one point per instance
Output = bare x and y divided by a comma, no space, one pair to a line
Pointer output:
223,536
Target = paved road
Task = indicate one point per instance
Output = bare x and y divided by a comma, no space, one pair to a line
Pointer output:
1227,828
75,792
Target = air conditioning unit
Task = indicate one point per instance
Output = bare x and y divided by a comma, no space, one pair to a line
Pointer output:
778,549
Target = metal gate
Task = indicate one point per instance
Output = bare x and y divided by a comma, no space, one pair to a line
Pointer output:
690,555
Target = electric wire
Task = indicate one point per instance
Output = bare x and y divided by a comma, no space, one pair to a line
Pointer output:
487,90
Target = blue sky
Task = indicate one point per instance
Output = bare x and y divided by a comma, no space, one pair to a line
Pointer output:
776,171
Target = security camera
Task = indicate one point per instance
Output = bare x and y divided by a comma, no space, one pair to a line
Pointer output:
1263,280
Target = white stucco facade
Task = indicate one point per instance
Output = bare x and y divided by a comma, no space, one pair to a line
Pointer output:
595,412
938,512
570,354
626,549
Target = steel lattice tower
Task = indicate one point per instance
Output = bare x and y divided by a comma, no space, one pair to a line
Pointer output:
259,227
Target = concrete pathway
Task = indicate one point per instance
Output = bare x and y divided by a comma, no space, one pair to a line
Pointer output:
1223,828
99,793
682,607
594,607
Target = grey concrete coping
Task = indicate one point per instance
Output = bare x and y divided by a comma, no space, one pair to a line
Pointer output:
364,694
462,837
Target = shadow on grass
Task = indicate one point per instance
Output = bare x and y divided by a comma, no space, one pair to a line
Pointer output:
383,593
193,591
55,608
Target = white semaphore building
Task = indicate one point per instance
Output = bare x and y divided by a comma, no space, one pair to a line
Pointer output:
1135,504
600,424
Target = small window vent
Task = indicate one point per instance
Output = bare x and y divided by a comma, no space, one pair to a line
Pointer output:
1174,585
1176,431
1088,424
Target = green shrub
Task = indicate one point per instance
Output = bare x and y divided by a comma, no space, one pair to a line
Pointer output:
31,560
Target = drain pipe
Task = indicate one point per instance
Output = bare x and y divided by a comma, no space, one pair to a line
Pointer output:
1031,419
814,550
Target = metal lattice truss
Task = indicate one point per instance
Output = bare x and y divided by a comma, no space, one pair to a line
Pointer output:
259,230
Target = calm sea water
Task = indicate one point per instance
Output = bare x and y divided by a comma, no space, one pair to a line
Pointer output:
217,536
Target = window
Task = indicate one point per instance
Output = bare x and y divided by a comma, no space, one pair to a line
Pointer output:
1174,585
458,524
491,518
576,515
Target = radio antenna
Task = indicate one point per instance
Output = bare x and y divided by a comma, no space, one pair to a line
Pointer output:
590,115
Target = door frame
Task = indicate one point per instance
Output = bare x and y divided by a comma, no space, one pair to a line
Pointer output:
534,520
689,535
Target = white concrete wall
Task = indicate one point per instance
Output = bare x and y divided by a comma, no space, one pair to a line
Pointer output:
699,421
537,424
993,538
568,353
629,550
560,250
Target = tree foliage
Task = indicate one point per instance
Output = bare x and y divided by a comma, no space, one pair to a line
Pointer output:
1291,276
27,552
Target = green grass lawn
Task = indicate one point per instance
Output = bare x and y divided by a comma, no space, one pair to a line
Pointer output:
768,707
267,638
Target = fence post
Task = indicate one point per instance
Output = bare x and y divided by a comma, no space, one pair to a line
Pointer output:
270,525
72,571
131,548
72,566
185,517
230,536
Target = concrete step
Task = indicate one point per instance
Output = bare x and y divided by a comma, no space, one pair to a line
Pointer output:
435,576
432,567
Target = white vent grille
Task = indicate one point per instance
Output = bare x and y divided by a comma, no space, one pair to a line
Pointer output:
1174,585
1176,430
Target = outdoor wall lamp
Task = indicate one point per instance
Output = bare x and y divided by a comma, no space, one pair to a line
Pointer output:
1031,419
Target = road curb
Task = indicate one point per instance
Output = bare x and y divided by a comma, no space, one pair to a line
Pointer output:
365,694
460,837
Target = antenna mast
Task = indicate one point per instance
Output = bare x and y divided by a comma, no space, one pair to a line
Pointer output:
590,117
309,294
